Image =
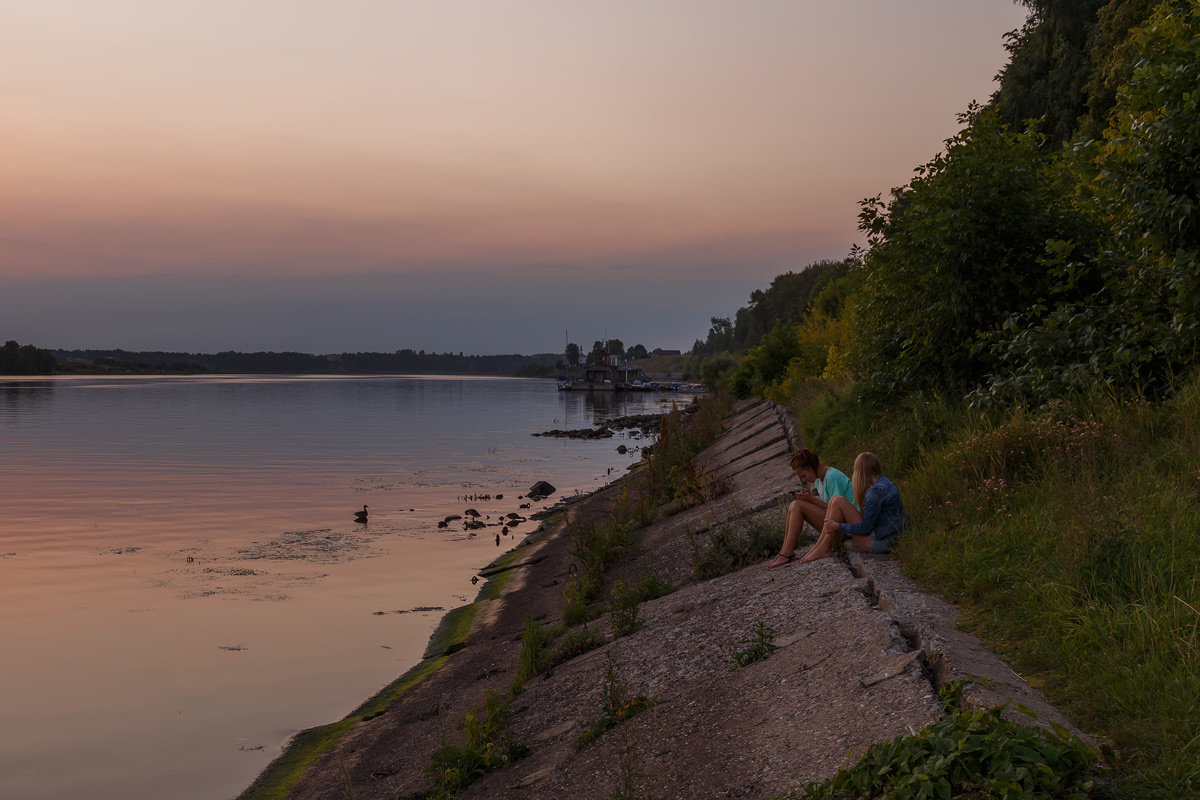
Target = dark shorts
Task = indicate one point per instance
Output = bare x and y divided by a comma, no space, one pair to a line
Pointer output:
878,546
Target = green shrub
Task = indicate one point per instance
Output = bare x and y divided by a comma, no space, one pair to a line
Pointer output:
482,752
974,754
758,645
575,643
651,586
623,610
534,658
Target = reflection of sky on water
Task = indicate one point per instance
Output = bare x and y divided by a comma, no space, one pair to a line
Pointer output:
147,523
167,459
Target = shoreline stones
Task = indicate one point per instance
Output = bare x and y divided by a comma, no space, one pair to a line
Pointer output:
541,489
643,423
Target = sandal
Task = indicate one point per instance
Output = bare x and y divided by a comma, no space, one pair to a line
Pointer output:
786,560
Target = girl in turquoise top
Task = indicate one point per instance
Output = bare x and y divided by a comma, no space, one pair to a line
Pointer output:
810,506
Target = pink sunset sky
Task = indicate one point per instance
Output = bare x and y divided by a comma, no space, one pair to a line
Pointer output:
485,175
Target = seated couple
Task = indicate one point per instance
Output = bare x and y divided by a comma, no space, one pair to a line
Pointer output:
868,508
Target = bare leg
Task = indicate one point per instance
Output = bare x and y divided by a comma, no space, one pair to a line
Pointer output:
861,543
799,512
791,533
840,510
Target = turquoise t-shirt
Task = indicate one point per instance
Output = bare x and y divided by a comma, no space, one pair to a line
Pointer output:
834,483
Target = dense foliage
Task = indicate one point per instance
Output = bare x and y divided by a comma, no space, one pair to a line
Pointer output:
955,253
975,753
1051,64
1014,268
1133,320
16,359
1020,344
787,299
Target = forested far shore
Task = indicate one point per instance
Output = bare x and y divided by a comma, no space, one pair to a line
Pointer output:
408,361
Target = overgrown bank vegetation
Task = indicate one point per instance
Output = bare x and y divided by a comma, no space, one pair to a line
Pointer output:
1019,343
667,482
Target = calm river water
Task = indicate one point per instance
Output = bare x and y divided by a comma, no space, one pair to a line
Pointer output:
182,584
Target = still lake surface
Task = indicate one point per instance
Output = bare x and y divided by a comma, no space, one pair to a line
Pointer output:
182,584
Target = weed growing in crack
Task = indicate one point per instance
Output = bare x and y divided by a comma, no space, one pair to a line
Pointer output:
758,645
730,546
623,610
617,706
483,750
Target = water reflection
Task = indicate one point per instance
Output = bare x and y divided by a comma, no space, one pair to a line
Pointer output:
151,527
20,396
609,405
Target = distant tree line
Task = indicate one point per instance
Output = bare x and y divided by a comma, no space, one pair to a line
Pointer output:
25,360
787,299
412,361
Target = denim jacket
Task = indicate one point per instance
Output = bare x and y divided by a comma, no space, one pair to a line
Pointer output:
883,514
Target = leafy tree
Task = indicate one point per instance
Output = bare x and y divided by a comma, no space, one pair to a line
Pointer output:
572,354
720,338
638,351
27,360
956,252
1140,325
716,370
615,347
1114,55
787,298
766,365
1150,173
1050,66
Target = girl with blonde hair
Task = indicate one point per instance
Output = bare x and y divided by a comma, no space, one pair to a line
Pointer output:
875,529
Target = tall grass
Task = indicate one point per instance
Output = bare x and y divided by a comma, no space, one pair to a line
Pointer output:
1070,537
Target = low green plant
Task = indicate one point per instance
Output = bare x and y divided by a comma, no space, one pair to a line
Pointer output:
680,439
1063,535
668,472
971,753
597,547
623,610
575,643
758,645
534,658
651,586
483,750
617,706
630,778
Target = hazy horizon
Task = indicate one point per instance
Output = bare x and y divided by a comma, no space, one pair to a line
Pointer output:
475,176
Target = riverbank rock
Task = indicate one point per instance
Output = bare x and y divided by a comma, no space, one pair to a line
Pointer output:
542,489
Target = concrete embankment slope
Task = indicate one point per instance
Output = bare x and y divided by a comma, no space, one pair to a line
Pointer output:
860,652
